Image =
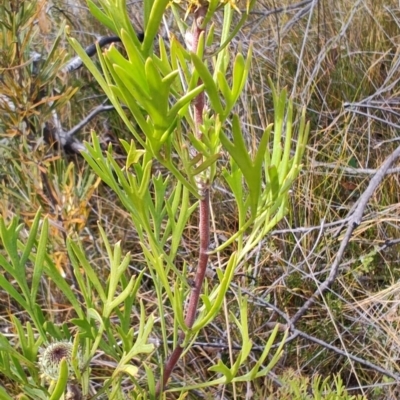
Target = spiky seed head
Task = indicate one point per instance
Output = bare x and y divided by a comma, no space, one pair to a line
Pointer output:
52,356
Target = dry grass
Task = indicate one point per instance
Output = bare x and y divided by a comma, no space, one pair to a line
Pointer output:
340,52
326,53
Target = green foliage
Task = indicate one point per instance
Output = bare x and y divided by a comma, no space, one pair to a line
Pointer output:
93,323
169,160
158,89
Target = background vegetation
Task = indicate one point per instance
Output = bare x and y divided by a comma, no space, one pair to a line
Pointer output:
341,59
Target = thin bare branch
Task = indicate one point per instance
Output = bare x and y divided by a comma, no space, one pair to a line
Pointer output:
353,222
278,10
354,171
344,353
298,333
87,119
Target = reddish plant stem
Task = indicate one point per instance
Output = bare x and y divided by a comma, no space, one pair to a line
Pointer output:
204,227
204,208
204,221
169,366
191,310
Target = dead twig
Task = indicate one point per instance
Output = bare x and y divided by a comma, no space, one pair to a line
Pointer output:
298,333
354,171
353,222
101,108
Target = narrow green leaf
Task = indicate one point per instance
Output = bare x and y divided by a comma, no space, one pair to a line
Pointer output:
4,395
210,86
273,179
187,98
210,35
178,309
54,331
101,17
93,314
227,26
266,352
39,261
237,150
227,23
119,13
221,291
32,393
122,93
222,369
223,63
239,153
184,214
179,60
91,67
284,164
9,288
19,370
136,59
153,23
151,384
225,89
304,131
263,152
7,348
206,302
277,355
139,90
74,249
212,7
51,270
134,154
158,89
23,340
145,328
239,75
9,237
122,296
200,46
170,77
28,245
147,6
61,382
145,181
288,182
206,163
6,265
279,100
244,328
